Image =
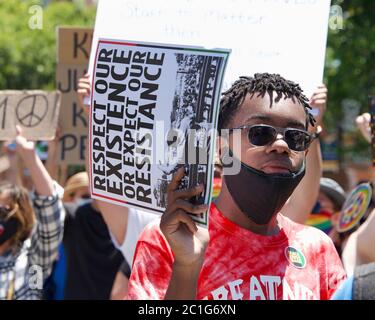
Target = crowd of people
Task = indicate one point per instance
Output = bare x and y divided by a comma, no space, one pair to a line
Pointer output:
272,227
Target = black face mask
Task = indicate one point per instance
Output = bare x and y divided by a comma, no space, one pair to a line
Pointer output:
8,224
8,229
260,195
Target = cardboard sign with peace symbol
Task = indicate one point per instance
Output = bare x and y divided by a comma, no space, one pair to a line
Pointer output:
35,111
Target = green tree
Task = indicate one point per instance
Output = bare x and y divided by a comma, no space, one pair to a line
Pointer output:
350,71
28,56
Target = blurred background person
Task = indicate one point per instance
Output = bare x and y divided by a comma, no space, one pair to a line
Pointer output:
124,224
88,260
327,208
30,229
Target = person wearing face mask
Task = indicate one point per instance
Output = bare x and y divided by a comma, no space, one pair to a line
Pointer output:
88,260
124,224
77,189
327,208
250,251
30,229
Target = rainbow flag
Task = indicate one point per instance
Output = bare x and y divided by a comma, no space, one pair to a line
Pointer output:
321,220
216,187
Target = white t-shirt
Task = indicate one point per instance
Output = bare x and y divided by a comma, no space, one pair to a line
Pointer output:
137,220
349,255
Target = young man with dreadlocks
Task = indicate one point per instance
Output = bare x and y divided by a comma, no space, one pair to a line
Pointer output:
250,250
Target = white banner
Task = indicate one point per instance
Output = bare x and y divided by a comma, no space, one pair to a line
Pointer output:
275,36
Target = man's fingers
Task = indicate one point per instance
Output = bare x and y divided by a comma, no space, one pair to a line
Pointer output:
185,193
318,101
83,92
83,87
363,118
169,221
173,185
84,82
321,91
188,221
319,96
19,130
188,193
187,206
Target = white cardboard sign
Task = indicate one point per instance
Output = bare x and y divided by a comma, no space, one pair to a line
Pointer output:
275,36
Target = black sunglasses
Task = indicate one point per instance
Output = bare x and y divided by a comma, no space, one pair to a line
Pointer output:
262,134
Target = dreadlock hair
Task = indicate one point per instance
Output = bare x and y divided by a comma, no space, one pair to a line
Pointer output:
261,83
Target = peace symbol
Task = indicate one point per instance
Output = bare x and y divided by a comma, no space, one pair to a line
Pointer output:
31,110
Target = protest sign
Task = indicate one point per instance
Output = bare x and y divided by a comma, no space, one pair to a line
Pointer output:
278,36
354,208
73,52
74,45
35,111
145,100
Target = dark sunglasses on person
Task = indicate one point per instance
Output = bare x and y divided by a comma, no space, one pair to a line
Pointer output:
262,134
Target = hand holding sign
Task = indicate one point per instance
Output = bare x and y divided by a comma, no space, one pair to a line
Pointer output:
187,241
84,92
318,102
363,124
24,147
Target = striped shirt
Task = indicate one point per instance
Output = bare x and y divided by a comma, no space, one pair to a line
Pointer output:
24,270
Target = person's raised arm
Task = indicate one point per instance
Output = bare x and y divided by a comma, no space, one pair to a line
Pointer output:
49,210
366,232
51,160
43,182
12,174
303,199
366,239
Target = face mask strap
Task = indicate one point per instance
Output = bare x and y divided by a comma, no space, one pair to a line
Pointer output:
12,212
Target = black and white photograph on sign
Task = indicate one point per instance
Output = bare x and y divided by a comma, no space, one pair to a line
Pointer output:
155,109
188,138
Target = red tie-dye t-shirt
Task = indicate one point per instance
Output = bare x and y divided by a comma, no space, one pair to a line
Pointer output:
299,262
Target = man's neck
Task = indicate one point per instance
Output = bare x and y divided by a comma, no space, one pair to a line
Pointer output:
230,210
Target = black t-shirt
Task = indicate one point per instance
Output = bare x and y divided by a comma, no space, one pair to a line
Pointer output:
92,261
125,269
